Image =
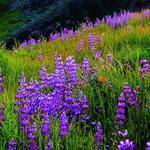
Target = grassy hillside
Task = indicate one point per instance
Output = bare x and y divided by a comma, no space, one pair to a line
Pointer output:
128,44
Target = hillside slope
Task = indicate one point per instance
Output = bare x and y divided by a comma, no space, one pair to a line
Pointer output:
100,74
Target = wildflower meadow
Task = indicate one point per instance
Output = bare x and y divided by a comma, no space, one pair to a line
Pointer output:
84,89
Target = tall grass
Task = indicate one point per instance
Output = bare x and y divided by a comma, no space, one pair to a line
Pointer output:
127,44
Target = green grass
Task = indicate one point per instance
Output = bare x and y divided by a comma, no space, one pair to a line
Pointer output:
9,21
126,44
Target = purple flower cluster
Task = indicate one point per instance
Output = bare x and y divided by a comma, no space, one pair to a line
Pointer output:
145,68
33,146
49,146
130,96
146,12
126,145
98,37
96,53
148,146
31,41
123,134
63,35
98,137
127,96
12,145
1,82
62,102
120,116
80,45
2,118
54,36
92,42
63,125
118,20
40,56
110,59
85,66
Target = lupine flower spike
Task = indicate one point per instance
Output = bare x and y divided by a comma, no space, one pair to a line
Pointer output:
98,137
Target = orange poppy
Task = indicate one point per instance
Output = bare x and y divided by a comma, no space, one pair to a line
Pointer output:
101,79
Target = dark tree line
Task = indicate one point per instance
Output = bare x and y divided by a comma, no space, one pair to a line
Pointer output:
45,16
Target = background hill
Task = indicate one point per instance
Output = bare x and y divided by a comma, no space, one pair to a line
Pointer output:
21,19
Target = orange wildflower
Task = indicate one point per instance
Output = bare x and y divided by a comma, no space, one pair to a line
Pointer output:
101,79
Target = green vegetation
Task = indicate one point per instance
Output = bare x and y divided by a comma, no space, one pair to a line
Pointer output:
127,44
9,20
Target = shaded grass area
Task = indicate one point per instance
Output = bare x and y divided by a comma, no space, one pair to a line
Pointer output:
128,44
9,20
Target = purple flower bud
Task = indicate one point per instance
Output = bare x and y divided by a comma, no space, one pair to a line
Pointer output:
148,146
2,118
63,125
40,56
146,13
110,59
123,134
12,145
49,146
120,116
144,69
1,82
98,137
71,69
92,42
126,145
33,146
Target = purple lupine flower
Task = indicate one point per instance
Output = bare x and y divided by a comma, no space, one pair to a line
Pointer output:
23,44
148,146
49,145
44,104
71,69
38,41
31,41
126,145
131,96
80,45
144,69
98,55
31,132
97,22
63,125
33,146
146,12
54,36
92,42
59,75
98,137
43,76
98,37
120,116
118,20
45,128
110,59
28,107
85,66
2,118
40,56
1,82
123,134
12,144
